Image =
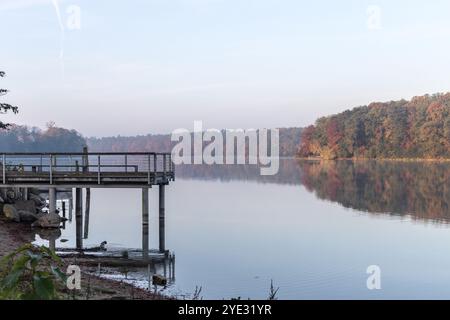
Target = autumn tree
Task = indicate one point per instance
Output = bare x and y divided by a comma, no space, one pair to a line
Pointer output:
5,107
419,128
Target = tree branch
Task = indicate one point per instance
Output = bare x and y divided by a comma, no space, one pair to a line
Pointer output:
5,107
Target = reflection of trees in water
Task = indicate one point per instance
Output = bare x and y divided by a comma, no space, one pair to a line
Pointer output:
289,173
418,189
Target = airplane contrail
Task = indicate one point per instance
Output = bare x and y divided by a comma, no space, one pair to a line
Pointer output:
58,14
61,26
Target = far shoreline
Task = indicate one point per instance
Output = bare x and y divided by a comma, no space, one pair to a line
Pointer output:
376,159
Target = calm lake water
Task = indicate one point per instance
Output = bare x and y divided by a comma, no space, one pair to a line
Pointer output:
314,229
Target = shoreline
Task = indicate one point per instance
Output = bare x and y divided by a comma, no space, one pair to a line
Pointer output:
376,159
14,235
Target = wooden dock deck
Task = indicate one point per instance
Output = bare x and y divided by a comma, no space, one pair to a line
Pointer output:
86,170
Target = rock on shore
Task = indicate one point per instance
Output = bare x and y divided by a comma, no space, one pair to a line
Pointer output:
11,213
50,220
28,212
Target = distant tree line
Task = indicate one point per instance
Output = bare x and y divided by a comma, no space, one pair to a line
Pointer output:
52,139
419,128
289,142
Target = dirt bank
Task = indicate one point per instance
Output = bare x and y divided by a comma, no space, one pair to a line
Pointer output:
14,235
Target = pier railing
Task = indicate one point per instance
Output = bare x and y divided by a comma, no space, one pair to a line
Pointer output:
100,168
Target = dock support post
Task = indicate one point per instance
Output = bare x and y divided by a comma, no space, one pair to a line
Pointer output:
87,211
52,200
25,194
145,222
162,239
52,244
64,209
173,267
71,205
52,210
79,217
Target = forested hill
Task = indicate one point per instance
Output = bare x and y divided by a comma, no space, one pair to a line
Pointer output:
419,128
289,143
52,139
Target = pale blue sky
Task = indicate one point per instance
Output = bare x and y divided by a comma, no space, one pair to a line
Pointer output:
138,66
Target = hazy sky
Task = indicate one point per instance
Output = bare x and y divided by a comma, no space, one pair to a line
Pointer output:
136,66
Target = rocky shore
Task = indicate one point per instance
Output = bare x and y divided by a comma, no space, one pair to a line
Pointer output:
28,206
21,220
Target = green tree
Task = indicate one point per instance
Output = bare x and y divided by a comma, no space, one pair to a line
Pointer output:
5,107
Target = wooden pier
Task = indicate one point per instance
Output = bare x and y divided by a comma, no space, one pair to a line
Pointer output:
85,170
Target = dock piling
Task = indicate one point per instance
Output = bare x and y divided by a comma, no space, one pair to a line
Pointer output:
87,211
52,244
52,200
145,222
162,239
64,209
79,217
71,205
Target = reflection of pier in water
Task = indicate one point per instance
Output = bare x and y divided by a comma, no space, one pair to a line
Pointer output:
63,176
131,267
157,264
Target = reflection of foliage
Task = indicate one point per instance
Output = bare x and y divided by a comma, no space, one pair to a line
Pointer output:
30,273
419,128
415,188
419,189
